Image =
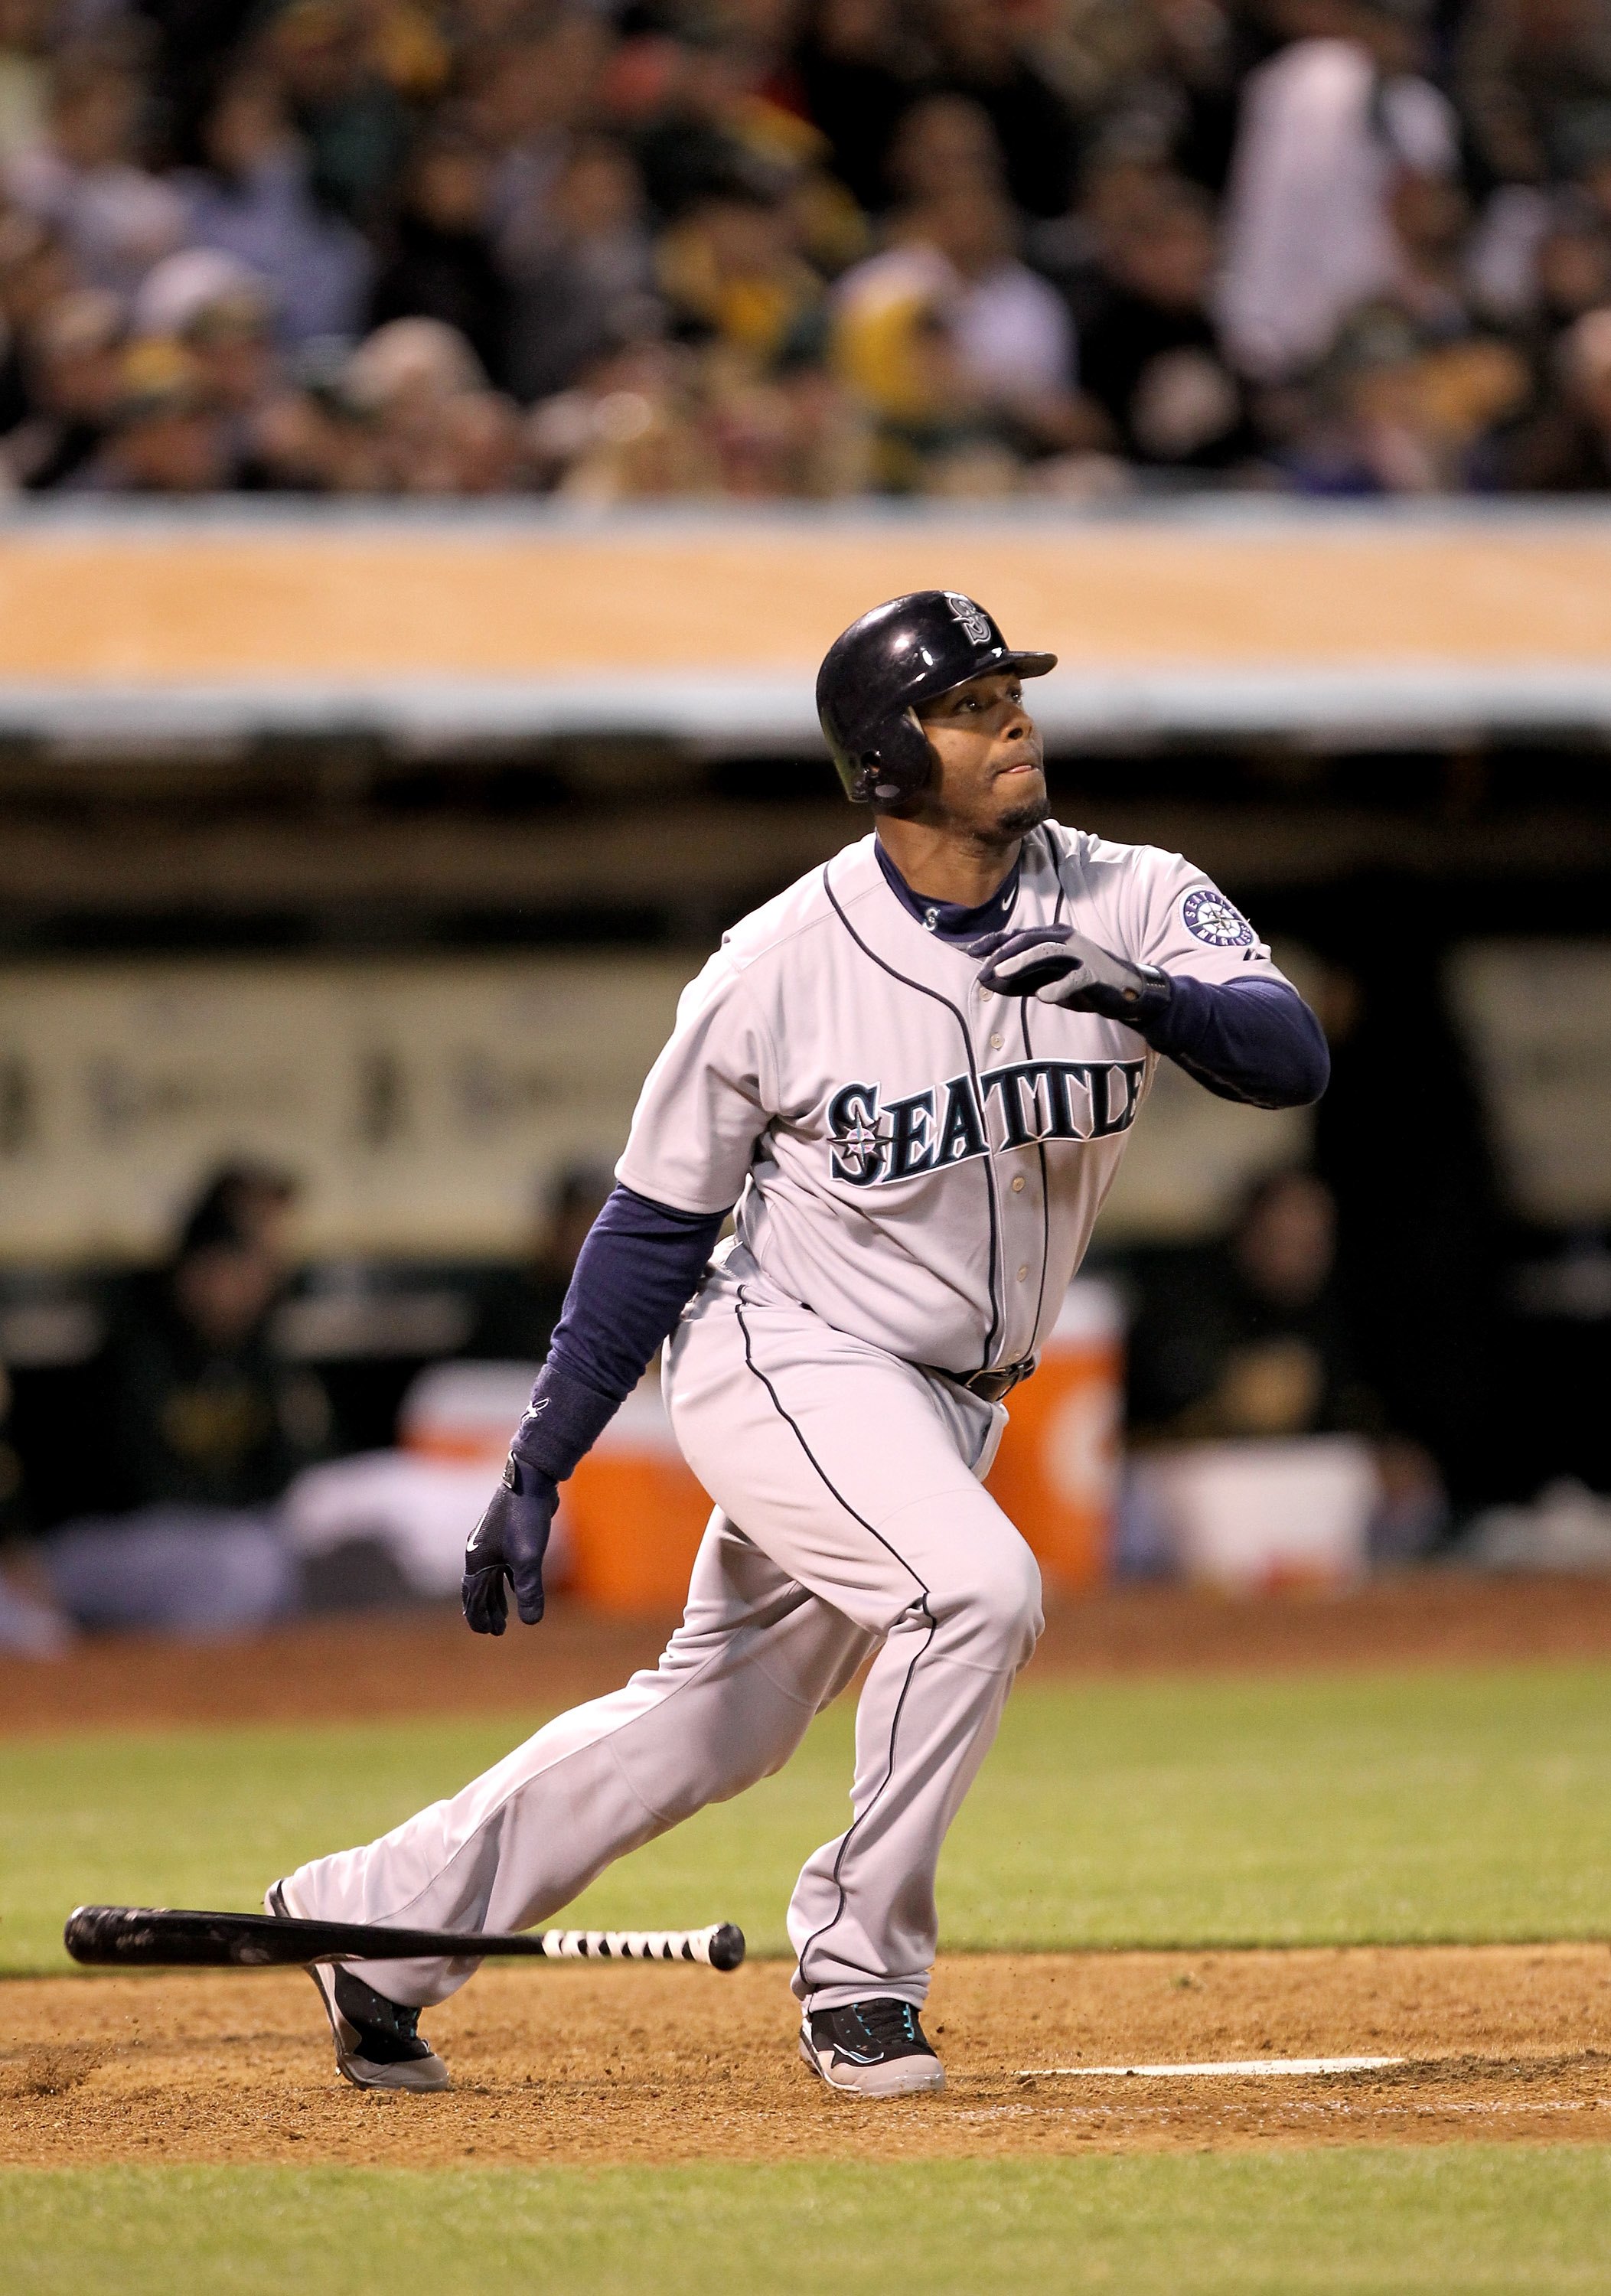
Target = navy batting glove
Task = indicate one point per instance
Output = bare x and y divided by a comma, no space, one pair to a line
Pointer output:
508,1543
1057,965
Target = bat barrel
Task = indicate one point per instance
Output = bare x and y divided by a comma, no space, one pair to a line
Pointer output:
156,1937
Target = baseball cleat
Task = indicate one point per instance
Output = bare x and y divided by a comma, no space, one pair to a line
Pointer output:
873,2048
377,2041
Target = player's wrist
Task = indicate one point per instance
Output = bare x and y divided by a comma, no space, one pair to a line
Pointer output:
1179,1020
1155,992
561,1424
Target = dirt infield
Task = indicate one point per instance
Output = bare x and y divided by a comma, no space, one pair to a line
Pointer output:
380,1666
596,2065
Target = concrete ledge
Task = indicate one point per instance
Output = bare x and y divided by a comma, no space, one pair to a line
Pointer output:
1365,706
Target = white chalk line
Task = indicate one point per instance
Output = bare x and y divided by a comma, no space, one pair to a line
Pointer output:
1239,2069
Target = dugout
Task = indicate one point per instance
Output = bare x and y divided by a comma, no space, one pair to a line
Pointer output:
360,776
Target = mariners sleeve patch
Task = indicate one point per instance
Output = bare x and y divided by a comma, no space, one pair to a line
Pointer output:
1210,917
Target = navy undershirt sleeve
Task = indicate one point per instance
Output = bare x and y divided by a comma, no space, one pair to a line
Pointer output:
638,1269
1254,1041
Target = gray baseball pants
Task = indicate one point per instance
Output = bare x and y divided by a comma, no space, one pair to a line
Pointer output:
849,1519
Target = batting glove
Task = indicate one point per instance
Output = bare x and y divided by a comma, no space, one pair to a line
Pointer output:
1057,965
508,1543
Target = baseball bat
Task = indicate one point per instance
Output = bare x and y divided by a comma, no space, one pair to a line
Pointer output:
149,1936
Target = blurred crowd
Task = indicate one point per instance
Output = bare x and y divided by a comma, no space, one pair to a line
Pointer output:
804,247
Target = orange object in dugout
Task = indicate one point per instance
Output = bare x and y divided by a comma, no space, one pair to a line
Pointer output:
1056,1472
633,1514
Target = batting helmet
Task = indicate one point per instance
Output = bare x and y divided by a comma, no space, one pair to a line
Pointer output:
890,658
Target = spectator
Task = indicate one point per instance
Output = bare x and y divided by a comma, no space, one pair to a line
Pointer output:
221,312
956,343
36,273
858,72
942,141
1565,447
1198,50
84,180
1529,71
979,54
441,263
201,1431
658,420
24,75
792,433
632,426
164,436
582,269
1537,262
1328,127
308,441
1119,191
731,275
528,97
350,112
1572,270
436,427
74,386
1149,353
253,200
1392,413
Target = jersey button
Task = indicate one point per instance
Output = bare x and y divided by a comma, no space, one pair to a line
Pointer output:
1024,1276
997,1041
1018,1183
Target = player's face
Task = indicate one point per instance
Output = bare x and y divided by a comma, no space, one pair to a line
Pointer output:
991,777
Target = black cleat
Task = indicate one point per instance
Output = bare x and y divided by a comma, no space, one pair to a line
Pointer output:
875,2048
377,2041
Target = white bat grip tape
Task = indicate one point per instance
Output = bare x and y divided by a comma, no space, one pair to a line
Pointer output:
719,1945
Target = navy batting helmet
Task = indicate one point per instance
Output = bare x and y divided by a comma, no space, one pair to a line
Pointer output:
890,658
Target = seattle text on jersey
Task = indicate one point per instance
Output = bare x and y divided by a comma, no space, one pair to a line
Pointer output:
1021,1103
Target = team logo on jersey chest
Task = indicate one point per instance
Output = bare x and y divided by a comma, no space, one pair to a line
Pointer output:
874,1141
1210,917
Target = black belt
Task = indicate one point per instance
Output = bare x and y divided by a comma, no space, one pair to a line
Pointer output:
991,1386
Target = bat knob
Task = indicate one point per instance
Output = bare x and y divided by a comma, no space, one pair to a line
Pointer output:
727,1947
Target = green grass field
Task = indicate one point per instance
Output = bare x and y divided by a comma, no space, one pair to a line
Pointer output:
1476,2219
1468,1806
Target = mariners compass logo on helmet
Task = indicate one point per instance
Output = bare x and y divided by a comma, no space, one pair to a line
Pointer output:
1210,917
976,623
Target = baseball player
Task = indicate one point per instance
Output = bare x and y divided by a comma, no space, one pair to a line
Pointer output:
909,1079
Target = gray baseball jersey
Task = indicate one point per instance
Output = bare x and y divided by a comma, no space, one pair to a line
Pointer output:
920,1161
